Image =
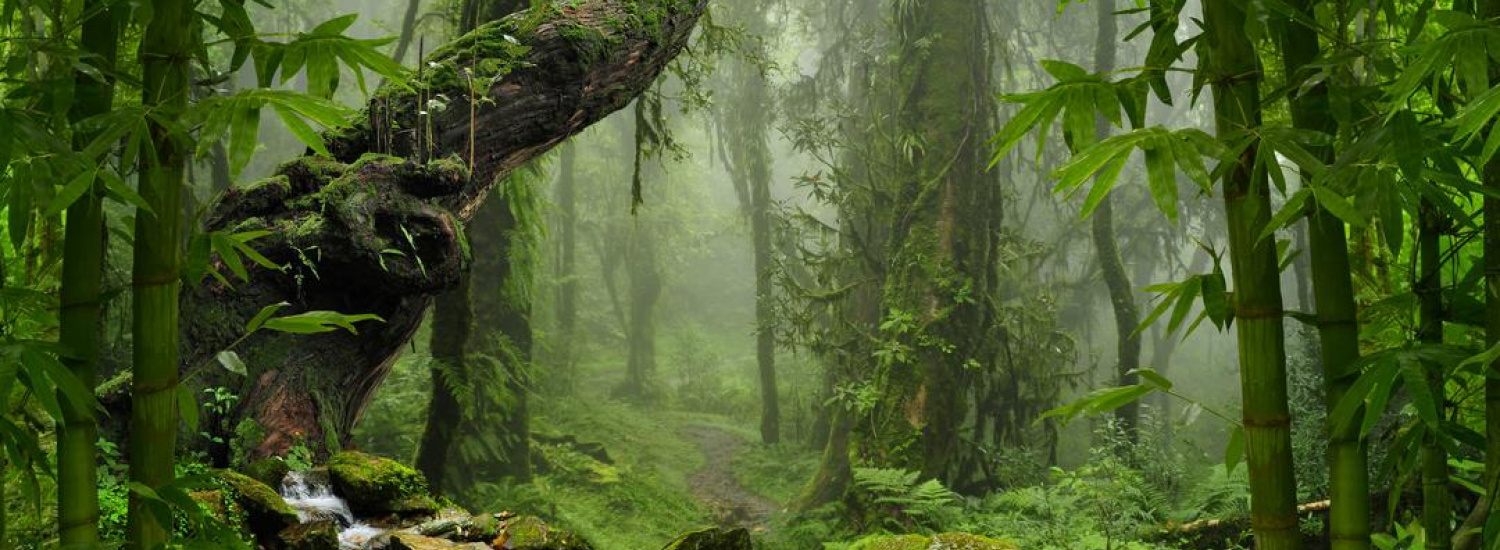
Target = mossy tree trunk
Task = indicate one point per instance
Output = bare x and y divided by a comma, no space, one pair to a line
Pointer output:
451,320
941,268
1232,65
504,253
166,51
582,62
83,271
1333,296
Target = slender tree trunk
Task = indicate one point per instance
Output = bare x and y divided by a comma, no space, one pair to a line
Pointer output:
1333,289
748,121
567,234
1234,72
451,319
1437,505
1121,294
645,284
408,29
83,271
166,50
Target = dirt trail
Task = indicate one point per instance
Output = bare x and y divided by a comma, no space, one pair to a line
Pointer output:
715,485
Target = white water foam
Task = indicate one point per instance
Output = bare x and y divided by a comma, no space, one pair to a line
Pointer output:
312,497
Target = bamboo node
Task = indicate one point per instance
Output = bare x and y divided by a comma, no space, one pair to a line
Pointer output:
1258,313
1273,422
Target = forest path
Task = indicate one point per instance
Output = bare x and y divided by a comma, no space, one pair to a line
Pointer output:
732,504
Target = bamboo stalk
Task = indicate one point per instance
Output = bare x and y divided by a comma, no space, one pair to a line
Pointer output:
166,51
1235,72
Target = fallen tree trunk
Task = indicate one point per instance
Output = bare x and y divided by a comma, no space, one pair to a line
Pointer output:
382,234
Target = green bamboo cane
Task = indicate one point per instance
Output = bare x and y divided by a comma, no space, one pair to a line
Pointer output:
166,51
1234,71
83,270
1333,291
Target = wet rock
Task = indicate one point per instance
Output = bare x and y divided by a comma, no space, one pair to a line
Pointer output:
531,533
264,512
270,471
315,535
944,541
712,539
413,541
461,528
376,486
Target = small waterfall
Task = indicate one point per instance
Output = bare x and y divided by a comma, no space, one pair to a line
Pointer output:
311,495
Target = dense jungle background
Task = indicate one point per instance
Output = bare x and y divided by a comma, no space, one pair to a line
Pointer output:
734,274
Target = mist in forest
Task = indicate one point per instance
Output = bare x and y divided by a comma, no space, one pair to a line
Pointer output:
749,274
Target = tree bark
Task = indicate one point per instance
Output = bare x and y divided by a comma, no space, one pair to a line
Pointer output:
332,218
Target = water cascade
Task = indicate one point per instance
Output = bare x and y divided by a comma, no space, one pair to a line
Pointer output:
311,495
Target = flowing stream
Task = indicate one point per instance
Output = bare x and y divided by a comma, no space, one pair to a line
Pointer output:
311,495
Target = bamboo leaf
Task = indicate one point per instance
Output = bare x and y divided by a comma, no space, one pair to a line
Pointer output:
70,193
1234,452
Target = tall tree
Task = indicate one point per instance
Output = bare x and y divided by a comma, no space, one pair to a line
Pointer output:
747,124
567,236
1106,244
1232,65
640,258
1333,296
454,324
166,51
83,271
941,269
451,320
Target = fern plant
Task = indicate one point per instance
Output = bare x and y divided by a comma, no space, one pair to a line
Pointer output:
901,502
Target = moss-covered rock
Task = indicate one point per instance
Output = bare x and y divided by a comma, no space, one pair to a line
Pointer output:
531,533
461,527
413,541
375,486
270,471
712,539
944,541
264,512
317,535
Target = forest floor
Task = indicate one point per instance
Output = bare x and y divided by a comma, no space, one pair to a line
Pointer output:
717,486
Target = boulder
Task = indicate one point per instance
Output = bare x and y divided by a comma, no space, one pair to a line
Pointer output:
264,514
316,535
270,471
712,539
944,541
461,528
412,541
531,533
375,486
